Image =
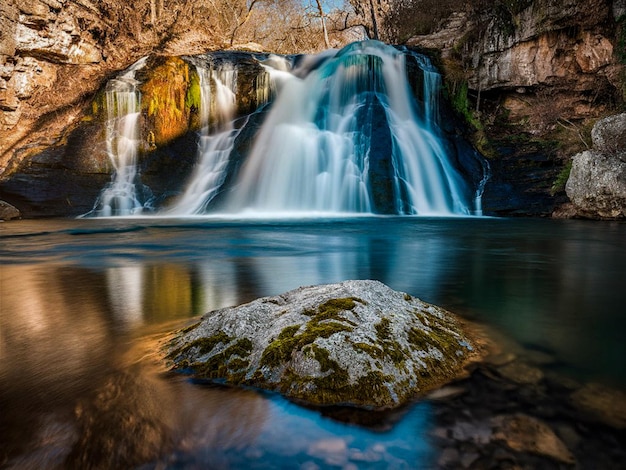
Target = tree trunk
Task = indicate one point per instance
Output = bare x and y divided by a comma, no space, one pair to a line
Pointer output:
323,18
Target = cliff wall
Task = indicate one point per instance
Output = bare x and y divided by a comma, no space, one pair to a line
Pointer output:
533,76
55,54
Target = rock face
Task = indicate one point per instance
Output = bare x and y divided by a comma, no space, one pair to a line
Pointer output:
538,71
54,55
65,178
357,343
597,181
517,51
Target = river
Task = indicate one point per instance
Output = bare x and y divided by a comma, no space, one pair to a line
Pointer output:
85,304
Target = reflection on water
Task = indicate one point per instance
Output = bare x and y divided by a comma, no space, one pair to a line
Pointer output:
79,385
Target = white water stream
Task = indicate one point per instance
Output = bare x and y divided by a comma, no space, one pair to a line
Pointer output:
123,105
344,134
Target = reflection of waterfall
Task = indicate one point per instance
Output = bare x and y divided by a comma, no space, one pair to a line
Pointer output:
125,289
215,146
123,105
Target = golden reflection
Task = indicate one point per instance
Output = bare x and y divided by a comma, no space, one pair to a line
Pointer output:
52,326
167,292
141,414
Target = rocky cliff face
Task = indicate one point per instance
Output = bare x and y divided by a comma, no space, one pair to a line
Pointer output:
54,55
536,73
539,73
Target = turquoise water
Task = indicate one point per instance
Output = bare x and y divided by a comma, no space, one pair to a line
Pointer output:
85,302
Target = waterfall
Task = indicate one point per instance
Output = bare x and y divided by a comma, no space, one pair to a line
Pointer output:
123,107
216,141
341,132
348,137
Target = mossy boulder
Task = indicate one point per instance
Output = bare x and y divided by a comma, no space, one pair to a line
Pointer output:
356,343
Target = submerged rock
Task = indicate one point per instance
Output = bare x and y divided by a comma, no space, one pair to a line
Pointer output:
357,343
527,434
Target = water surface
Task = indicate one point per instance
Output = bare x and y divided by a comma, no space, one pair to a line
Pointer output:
84,302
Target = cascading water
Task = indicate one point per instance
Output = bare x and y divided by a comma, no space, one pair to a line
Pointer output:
216,141
123,105
337,133
349,138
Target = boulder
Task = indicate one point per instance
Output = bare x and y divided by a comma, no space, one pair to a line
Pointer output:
355,343
609,135
597,181
8,212
602,403
527,434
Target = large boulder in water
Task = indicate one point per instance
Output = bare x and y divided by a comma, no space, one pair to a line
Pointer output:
355,343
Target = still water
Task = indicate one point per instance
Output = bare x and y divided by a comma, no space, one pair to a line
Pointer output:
84,304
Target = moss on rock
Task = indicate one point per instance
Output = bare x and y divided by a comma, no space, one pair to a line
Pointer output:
357,343
168,99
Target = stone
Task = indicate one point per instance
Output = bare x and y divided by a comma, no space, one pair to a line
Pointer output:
608,135
527,434
355,343
521,373
8,212
597,182
603,403
446,393
597,185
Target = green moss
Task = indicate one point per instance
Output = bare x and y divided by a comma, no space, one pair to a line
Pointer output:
459,98
230,364
325,322
205,345
561,180
436,338
372,389
165,95
375,384
369,349
193,98
383,329
333,307
280,350
391,349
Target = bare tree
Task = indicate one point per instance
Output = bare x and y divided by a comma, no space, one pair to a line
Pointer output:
323,21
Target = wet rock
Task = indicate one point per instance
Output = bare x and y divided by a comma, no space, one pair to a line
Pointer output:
479,432
500,359
446,393
527,434
8,212
356,342
449,457
521,373
602,403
